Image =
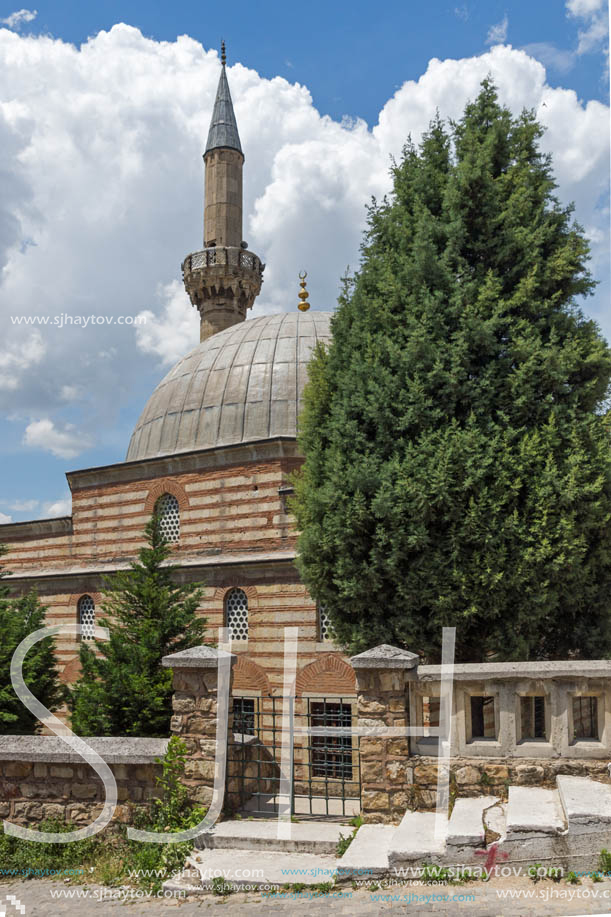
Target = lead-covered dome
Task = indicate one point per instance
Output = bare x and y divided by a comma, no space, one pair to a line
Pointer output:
240,385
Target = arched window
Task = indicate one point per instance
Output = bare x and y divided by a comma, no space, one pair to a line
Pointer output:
324,624
169,516
86,616
236,614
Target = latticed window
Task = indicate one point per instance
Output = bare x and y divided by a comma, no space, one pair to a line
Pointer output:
236,614
169,517
86,616
324,624
331,754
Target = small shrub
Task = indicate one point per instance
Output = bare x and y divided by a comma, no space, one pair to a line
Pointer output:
431,873
221,887
573,879
604,861
344,842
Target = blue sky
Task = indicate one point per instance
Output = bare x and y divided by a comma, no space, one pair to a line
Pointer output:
101,174
350,55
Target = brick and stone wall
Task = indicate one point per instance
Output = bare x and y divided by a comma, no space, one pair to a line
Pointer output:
42,778
235,531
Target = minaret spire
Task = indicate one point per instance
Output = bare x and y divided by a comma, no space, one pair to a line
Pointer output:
224,279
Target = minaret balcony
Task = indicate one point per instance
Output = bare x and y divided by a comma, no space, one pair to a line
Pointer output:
222,256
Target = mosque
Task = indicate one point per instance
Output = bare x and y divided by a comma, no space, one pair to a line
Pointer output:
213,450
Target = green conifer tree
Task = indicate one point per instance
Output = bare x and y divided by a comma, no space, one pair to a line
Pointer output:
18,618
123,689
457,467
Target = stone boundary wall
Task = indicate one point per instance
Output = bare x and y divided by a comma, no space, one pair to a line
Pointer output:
42,778
477,777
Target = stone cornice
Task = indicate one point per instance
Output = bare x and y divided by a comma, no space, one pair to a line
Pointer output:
36,528
51,749
184,463
188,563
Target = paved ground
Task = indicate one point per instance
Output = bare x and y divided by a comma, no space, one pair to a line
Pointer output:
41,898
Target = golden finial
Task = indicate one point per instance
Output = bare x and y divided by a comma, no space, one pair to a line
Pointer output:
304,305
223,55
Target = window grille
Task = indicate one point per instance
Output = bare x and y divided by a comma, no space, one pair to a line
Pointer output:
244,715
169,517
533,717
86,616
236,614
331,754
585,717
324,624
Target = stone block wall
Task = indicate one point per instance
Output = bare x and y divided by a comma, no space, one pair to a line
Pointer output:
198,719
382,675
195,709
481,777
41,778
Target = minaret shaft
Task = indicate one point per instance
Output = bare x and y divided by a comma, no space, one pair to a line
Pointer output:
224,279
223,198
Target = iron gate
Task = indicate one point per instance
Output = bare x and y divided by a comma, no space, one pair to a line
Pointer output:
296,752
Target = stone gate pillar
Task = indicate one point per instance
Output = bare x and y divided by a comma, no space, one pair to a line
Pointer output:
382,676
196,716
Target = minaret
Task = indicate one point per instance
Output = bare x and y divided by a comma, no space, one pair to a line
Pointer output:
224,279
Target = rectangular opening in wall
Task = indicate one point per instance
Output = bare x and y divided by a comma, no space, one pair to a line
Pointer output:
585,717
244,716
532,716
331,754
483,720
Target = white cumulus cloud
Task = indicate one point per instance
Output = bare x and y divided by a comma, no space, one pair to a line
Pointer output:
22,506
17,19
66,443
62,507
584,7
101,198
173,332
595,32
4,519
18,357
497,34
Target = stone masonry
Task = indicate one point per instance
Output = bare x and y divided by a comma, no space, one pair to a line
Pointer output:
42,778
382,675
196,715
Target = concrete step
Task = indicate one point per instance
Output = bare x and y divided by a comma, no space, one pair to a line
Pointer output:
532,810
466,825
415,839
250,869
495,819
367,855
243,834
586,804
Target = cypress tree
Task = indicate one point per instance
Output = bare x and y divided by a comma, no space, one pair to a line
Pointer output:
457,465
18,618
122,688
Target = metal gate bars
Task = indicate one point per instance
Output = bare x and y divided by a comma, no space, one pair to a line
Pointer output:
296,752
